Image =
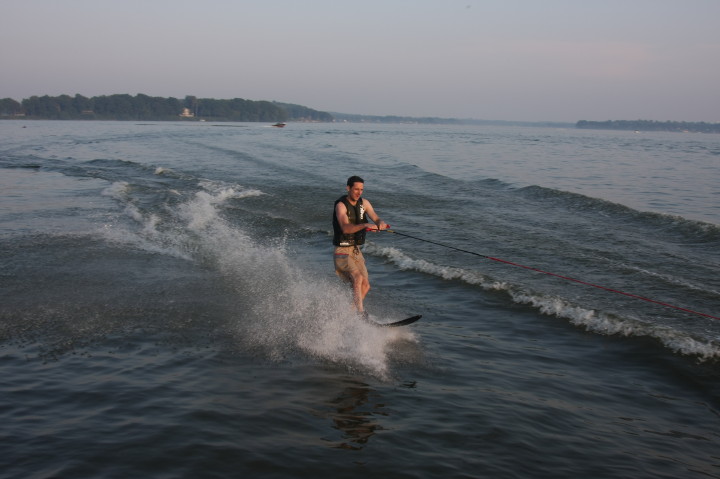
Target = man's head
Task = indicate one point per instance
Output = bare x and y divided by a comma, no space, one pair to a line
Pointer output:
355,186
354,179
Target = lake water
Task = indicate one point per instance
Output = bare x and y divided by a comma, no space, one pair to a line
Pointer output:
168,305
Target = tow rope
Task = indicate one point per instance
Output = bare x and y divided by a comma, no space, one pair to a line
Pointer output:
567,278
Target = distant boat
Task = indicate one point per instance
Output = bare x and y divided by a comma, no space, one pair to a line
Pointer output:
279,125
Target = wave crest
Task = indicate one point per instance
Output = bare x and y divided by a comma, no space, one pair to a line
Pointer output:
590,319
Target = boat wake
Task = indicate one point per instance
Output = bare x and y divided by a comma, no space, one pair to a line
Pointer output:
606,323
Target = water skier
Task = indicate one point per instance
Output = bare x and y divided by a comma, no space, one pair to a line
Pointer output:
350,221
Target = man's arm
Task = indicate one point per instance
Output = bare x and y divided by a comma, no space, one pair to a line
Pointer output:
342,217
381,225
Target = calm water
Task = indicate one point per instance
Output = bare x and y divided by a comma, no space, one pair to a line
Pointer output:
168,306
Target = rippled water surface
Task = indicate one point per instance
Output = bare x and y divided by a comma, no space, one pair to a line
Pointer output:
168,306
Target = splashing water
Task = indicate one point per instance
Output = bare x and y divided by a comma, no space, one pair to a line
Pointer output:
282,310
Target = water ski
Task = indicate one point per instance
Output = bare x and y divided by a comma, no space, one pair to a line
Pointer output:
402,322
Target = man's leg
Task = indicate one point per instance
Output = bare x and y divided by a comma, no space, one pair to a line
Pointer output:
350,265
361,286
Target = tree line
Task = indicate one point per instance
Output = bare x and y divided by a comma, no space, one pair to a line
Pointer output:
650,125
147,108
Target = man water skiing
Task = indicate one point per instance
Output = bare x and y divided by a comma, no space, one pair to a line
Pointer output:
349,226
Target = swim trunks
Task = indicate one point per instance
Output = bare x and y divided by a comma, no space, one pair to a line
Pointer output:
349,259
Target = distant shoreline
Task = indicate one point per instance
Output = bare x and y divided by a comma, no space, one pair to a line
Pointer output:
123,107
649,125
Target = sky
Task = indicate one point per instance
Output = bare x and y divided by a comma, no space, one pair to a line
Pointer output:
514,60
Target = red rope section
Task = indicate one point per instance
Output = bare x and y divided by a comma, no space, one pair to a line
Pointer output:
605,288
562,277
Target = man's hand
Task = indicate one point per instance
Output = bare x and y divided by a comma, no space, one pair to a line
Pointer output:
379,227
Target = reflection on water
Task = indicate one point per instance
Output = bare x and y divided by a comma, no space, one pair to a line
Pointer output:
354,416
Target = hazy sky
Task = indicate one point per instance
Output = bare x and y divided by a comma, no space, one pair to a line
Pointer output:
532,60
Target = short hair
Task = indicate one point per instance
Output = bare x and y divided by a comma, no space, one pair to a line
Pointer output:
354,179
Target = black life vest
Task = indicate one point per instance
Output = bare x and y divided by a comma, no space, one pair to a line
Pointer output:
356,215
